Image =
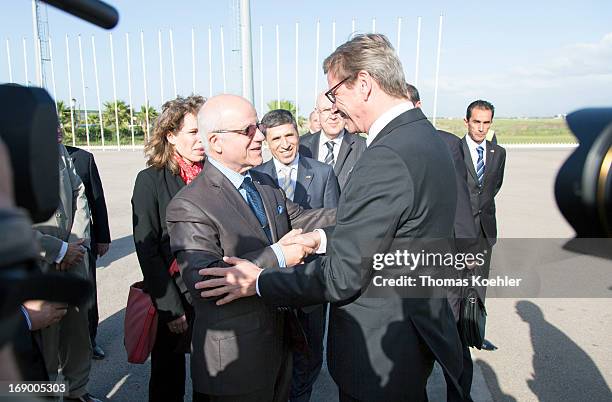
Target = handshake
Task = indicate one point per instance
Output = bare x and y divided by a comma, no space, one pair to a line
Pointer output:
297,246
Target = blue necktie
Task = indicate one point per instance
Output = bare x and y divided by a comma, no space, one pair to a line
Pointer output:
480,166
255,202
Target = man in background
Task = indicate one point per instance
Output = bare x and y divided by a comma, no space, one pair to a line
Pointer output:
313,122
311,184
86,168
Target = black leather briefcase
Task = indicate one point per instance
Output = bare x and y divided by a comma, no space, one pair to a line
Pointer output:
473,319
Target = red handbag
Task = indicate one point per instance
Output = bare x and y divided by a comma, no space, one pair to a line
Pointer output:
140,324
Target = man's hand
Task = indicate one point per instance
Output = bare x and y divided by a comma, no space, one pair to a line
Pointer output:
234,282
44,313
103,248
179,325
296,246
74,255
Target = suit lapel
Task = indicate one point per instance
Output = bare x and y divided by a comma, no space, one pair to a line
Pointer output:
314,147
304,178
173,182
490,163
345,148
469,164
269,169
409,116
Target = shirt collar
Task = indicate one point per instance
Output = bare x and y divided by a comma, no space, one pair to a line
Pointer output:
279,166
235,177
473,144
326,139
385,119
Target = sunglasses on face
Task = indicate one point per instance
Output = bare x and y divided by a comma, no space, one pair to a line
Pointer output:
249,131
331,94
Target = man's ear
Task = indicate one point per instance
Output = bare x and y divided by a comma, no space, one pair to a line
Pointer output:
465,121
214,141
365,84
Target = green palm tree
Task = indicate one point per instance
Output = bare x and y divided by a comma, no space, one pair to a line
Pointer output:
63,115
290,106
123,114
142,120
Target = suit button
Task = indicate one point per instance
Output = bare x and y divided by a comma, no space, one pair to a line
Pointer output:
480,192
480,211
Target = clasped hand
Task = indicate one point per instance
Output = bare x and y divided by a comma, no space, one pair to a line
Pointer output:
239,280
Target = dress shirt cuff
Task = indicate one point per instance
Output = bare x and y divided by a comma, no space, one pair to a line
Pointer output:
27,316
279,255
62,253
257,284
323,245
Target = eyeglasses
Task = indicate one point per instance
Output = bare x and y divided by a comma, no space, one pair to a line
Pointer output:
331,95
248,132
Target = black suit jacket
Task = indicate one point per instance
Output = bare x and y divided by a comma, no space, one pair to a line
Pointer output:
402,187
86,168
316,185
482,198
237,348
351,149
153,190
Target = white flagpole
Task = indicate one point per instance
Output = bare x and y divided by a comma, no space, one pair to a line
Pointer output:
8,60
261,83
83,88
277,68
223,61
435,110
52,72
418,53
399,35
333,35
173,66
93,46
316,63
129,74
25,63
36,36
353,27
161,67
70,92
112,49
209,61
144,82
297,76
193,71
374,25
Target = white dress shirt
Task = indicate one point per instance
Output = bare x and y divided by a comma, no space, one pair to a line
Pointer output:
324,139
280,173
472,145
385,119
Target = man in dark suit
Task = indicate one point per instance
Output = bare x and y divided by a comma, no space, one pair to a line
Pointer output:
86,168
403,187
333,145
313,122
240,352
311,184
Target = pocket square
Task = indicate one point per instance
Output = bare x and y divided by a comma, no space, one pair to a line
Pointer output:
280,209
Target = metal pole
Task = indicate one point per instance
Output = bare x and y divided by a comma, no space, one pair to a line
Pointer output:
25,63
261,83
435,110
246,46
209,61
374,25
112,49
333,35
193,74
52,72
144,82
223,61
173,65
8,60
297,64
70,92
83,88
129,71
277,68
353,27
161,67
418,53
316,63
399,36
101,121
36,44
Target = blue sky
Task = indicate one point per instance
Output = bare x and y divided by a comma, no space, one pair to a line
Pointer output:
530,58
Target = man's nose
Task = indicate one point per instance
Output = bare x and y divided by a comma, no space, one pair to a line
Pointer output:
259,136
481,127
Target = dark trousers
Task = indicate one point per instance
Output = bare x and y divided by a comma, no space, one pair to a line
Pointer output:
306,367
167,383
92,313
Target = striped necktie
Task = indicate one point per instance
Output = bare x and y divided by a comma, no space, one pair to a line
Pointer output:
286,181
329,158
480,165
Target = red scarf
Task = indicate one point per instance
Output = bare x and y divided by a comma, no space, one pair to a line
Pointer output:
188,172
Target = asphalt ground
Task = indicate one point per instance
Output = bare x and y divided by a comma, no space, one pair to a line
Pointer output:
549,349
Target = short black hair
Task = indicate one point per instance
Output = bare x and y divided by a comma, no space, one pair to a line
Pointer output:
413,94
278,117
479,104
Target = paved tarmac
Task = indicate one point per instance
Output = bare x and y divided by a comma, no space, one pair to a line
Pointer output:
549,349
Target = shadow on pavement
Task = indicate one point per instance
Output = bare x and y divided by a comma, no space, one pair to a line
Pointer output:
493,383
119,248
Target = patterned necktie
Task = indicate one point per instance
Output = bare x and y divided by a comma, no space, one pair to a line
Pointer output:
286,181
256,203
329,158
480,165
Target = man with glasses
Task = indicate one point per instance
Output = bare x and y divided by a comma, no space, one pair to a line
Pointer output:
402,188
240,352
333,144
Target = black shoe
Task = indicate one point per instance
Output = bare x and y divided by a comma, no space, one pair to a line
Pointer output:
84,398
98,353
486,345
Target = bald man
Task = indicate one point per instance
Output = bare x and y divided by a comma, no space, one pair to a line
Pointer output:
240,352
313,122
333,145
